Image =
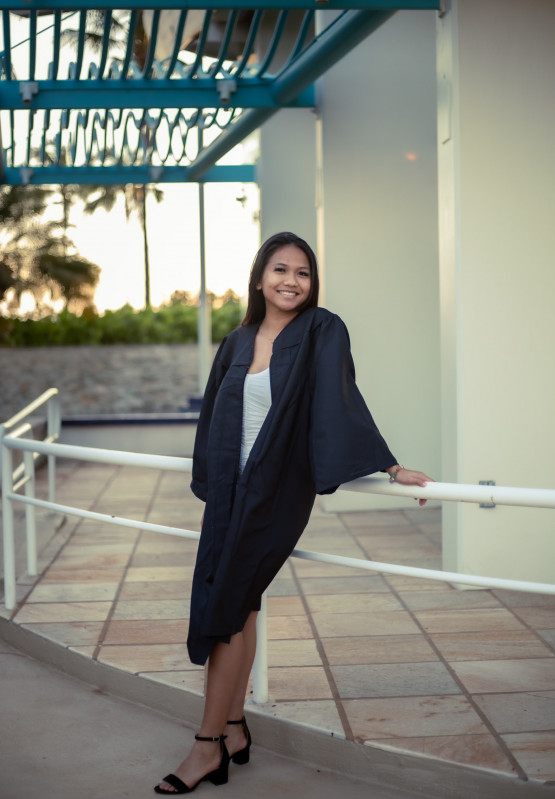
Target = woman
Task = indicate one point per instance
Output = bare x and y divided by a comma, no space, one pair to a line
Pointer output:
282,420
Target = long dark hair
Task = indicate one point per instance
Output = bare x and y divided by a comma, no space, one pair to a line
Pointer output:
256,308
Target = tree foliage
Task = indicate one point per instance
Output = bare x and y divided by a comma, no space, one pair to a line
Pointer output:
173,323
36,254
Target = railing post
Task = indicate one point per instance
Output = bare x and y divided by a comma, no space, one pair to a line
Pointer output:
2,434
53,426
8,529
260,666
30,515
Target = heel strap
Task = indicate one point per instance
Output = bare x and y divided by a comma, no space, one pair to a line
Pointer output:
217,740
241,721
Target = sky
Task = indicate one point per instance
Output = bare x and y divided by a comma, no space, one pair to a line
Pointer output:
116,245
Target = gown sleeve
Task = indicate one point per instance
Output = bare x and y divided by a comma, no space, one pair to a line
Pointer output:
199,483
344,440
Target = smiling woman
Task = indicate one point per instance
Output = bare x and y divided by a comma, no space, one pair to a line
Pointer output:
288,254
285,285
282,420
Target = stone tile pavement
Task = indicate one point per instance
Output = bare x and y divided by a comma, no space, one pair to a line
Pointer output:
394,663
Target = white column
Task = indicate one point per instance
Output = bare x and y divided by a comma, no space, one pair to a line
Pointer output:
378,232
204,321
496,71
204,311
286,174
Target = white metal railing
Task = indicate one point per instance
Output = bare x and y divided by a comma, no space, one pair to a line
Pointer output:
23,474
51,399
12,481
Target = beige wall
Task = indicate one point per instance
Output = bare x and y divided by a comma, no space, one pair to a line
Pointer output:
453,330
286,174
379,232
496,70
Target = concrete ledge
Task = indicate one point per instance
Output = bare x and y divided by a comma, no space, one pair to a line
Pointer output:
161,434
414,775
102,419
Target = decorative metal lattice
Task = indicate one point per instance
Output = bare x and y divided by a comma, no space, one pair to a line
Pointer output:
134,95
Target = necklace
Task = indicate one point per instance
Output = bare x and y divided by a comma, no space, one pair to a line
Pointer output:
271,340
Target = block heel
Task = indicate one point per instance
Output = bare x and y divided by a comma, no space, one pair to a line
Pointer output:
217,777
242,757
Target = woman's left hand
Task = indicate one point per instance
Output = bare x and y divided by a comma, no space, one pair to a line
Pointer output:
409,477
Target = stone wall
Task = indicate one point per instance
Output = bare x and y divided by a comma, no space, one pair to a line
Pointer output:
157,378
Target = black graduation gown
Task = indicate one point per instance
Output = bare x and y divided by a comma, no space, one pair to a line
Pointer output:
318,434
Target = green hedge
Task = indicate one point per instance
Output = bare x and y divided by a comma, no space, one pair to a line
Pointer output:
175,323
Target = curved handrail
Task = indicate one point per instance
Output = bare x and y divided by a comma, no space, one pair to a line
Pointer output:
14,440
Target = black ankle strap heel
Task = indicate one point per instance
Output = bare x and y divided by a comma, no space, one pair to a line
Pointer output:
243,755
216,740
217,777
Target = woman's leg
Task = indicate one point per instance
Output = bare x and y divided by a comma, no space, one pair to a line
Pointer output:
225,678
236,738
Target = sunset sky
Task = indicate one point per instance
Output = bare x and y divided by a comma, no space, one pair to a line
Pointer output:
232,238
109,240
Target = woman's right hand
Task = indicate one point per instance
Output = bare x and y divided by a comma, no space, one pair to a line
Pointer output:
201,520
410,477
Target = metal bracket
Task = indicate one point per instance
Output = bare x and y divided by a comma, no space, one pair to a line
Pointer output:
226,88
487,483
155,173
28,89
26,174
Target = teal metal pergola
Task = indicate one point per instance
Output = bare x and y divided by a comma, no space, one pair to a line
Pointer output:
131,95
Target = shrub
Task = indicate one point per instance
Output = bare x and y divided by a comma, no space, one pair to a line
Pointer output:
225,318
174,323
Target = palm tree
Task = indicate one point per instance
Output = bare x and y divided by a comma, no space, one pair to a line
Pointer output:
135,196
94,33
95,196
19,209
105,196
37,256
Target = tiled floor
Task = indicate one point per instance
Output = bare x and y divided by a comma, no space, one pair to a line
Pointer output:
396,662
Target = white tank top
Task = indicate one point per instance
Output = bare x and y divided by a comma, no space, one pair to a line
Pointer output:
257,400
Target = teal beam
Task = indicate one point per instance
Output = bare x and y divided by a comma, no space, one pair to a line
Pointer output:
224,46
249,44
106,36
276,36
152,43
32,45
179,5
78,65
110,175
129,45
176,44
234,134
6,54
308,20
2,160
54,65
145,93
201,45
338,39
345,33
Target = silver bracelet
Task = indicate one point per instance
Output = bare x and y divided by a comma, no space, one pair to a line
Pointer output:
393,477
